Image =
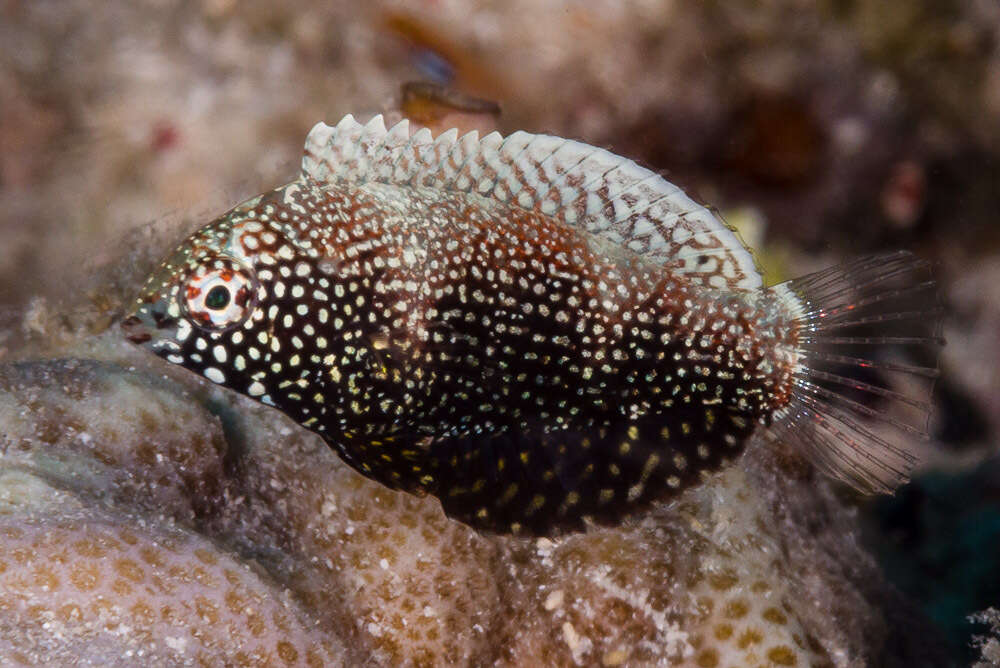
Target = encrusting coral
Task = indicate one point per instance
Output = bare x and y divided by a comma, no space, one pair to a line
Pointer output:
152,518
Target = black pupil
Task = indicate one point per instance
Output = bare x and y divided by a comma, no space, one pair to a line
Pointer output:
217,297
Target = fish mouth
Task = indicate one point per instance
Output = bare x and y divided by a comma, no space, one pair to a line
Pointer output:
141,327
135,330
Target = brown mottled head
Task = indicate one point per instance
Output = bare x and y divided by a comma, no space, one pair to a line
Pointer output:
204,298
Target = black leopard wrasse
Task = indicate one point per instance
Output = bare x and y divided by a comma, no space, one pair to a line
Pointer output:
536,331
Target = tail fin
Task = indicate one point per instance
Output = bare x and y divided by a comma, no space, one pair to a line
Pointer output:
869,334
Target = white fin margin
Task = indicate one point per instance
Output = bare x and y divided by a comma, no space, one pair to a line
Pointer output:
584,186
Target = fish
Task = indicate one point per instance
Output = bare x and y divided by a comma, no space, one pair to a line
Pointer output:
541,334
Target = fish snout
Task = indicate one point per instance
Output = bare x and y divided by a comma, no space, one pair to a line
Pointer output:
136,330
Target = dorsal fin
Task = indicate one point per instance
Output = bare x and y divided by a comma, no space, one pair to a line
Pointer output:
585,186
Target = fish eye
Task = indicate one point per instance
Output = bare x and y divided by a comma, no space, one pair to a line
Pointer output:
217,298
219,294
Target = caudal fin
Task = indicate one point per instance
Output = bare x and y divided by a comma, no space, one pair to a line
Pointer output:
869,334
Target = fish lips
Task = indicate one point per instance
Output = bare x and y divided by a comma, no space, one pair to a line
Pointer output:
146,324
135,330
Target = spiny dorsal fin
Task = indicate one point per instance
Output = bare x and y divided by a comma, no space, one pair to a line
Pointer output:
585,186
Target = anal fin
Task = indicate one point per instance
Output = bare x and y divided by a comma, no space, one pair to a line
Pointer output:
543,482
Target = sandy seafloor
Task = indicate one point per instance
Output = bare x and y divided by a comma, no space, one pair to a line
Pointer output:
147,518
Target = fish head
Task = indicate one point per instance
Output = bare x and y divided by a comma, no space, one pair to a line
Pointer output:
211,292
205,302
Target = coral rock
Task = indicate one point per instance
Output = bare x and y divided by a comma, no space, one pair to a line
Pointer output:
168,522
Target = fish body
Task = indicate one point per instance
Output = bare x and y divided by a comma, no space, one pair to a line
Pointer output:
535,331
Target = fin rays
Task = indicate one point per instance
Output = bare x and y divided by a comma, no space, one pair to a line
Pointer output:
584,186
862,384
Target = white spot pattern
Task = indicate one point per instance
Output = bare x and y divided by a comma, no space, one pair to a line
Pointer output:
587,187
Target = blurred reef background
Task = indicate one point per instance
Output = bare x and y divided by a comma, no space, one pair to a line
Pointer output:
146,517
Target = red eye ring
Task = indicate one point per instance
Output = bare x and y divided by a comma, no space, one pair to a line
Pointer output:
219,293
